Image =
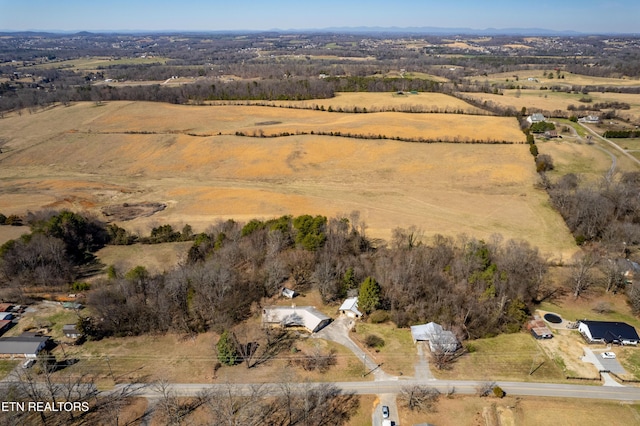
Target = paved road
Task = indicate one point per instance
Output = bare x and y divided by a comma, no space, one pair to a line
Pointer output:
394,386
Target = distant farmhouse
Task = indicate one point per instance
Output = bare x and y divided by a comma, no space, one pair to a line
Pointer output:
609,332
306,317
536,118
439,339
593,119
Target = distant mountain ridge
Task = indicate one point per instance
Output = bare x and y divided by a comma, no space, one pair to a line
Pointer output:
437,31
449,31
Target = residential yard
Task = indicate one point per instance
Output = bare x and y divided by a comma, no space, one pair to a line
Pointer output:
191,359
504,357
398,355
45,317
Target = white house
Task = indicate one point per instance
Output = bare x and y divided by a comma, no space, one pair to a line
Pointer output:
593,119
350,308
536,118
295,316
608,332
288,293
439,339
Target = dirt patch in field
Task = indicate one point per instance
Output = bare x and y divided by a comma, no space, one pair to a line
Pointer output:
125,211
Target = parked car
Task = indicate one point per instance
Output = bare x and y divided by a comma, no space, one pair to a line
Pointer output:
608,355
28,363
385,412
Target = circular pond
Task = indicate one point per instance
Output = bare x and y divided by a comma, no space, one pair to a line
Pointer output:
553,318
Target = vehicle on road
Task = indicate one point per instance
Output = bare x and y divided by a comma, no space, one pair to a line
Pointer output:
28,363
608,355
385,412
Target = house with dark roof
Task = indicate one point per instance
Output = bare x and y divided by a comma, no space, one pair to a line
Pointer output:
608,332
25,345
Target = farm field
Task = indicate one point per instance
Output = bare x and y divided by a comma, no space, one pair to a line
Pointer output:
547,100
140,117
374,101
96,63
568,80
84,157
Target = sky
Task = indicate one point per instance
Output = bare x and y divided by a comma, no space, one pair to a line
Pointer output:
587,16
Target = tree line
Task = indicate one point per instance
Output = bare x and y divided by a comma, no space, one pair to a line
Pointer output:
477,288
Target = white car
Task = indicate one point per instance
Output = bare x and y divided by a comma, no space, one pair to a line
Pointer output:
28,363
608,355
385,412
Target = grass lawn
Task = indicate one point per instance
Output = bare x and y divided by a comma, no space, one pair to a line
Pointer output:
578,128
573,309
504,357
398,355
6,366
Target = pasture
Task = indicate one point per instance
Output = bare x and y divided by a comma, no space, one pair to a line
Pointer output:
568,80
547,100
376,101
85,156
96,63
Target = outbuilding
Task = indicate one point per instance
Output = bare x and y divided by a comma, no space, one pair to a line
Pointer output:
71,331
350,308
608,332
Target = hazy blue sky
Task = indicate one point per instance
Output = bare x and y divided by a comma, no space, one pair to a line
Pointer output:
201,15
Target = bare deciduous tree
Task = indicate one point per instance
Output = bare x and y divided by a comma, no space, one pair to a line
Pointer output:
421,398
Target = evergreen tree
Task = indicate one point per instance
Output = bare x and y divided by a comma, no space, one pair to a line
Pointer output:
227,352
369,296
